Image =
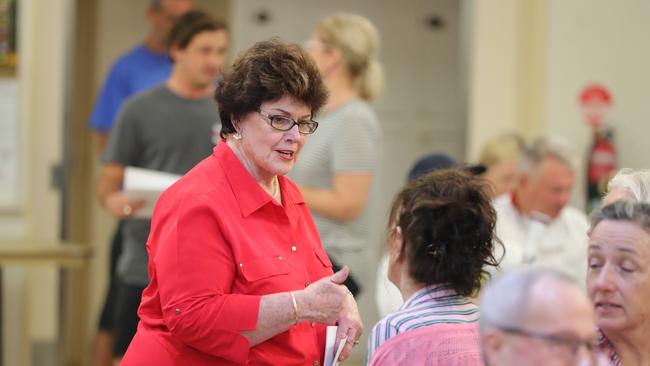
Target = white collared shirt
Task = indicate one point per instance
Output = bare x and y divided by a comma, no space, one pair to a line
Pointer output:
560,244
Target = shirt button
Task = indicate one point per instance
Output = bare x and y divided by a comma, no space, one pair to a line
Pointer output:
178,311
313,324
293,248
307,283
315,363
280,257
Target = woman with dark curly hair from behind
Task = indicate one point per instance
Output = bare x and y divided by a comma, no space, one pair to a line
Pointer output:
440,237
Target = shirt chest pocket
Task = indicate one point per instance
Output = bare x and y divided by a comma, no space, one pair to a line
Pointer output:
323,258
264,268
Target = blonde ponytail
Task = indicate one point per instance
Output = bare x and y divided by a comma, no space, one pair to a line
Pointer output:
358,40
371,81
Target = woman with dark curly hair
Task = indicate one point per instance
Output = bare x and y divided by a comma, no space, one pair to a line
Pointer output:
441,235
238,273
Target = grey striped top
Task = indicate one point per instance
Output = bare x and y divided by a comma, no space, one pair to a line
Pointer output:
347,140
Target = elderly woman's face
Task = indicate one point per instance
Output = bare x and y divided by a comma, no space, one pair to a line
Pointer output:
618,278
269,152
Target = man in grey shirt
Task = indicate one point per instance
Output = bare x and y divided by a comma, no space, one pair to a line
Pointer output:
170,129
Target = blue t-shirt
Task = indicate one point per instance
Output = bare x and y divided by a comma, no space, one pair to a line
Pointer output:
134,72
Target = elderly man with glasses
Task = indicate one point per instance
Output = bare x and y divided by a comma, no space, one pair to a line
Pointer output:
534,316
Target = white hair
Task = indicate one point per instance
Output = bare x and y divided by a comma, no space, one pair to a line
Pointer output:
542,148
504,301
636,182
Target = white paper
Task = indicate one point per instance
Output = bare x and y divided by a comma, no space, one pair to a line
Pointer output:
146,184
339,350
331,353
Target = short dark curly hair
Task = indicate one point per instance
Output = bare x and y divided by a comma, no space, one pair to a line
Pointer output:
447,223
268,71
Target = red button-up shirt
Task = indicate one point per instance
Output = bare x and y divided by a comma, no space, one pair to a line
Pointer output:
219,242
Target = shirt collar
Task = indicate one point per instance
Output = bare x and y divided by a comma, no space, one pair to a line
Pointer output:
605,345
249,194
436,293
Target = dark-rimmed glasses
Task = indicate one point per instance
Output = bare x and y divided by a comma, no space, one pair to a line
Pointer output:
571,344
283,123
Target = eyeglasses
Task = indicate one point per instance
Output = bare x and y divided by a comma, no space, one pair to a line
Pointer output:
571,344
282,123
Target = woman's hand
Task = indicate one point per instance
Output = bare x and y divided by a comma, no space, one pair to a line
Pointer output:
350,326
328,301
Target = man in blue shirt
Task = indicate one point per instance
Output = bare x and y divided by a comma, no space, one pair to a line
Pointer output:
141,68
144,66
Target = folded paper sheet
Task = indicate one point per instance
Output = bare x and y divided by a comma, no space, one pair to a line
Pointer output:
332,350
146,184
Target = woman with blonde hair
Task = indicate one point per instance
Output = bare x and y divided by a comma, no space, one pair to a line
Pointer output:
500,156
337,170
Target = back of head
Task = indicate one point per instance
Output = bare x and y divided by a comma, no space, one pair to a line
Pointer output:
358,40
189,25
268,71
430,163
447,224
524,314
636,183
506,300
543,148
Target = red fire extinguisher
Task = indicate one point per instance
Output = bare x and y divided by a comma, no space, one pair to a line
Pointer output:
602,164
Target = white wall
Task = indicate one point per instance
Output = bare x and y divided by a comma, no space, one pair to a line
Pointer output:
529,83
606,42
493,63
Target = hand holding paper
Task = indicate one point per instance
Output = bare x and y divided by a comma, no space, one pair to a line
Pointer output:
349,322
331,302
332,348
146,186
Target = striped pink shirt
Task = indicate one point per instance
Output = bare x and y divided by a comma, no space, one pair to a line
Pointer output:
436,304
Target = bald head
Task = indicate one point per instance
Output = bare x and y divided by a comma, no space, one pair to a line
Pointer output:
521,308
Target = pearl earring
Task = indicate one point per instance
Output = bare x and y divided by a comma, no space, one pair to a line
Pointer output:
237,136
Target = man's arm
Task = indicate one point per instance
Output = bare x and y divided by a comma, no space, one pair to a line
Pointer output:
345,202
109,193
101,140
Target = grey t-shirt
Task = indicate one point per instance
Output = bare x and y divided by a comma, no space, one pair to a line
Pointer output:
162,131
348,140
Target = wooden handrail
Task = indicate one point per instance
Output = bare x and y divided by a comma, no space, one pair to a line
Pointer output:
61,254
